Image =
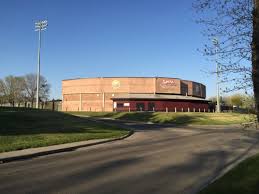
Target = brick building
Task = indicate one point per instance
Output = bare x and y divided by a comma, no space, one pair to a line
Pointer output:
133,94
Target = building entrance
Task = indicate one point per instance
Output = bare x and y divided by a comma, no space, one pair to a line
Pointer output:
140,106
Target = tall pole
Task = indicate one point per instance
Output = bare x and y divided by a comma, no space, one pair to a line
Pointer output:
216,43
38,71
218,97
39,26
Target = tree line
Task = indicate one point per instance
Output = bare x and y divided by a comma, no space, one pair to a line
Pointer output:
237,100
17,90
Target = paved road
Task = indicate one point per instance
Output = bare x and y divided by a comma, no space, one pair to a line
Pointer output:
155,159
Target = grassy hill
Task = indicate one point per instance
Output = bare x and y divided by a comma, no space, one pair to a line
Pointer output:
179,118
23,128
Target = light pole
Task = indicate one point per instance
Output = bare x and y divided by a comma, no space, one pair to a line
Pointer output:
216,44
39,26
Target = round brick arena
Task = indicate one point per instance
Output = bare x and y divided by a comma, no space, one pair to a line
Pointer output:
133,94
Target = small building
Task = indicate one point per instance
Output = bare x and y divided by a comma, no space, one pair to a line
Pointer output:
133,94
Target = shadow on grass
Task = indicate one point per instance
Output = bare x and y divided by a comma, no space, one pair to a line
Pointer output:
176,119
173,118
21,121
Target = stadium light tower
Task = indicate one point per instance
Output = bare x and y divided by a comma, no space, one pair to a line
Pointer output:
216,44
39,26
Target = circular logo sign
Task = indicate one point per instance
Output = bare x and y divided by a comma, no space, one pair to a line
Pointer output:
116,84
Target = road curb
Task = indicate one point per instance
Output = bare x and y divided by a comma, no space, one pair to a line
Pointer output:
59,150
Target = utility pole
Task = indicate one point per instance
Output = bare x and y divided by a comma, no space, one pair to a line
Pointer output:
39,26
216,44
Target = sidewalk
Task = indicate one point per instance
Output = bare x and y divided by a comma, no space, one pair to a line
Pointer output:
41,151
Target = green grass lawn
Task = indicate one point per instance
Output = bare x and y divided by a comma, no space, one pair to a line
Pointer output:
176,118
23,128
244,179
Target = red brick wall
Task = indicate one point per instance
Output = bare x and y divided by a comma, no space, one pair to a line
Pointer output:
170,105
96,93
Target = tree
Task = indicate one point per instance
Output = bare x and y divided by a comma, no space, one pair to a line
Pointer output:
249,102
235,23
2,93
224,100
12,89
227,100
31,87
237,100
213,99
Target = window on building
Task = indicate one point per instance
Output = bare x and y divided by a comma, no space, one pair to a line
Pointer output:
120,105
151,106
140,106
184,89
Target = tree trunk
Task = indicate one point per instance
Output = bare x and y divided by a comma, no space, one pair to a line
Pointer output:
53,105
255,55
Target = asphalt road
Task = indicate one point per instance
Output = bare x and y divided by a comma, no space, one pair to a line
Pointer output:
155,159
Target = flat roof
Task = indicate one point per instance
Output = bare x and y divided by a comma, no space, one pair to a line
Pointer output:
129,77
157,97
120,77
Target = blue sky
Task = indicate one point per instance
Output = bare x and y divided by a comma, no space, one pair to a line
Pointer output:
98,38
